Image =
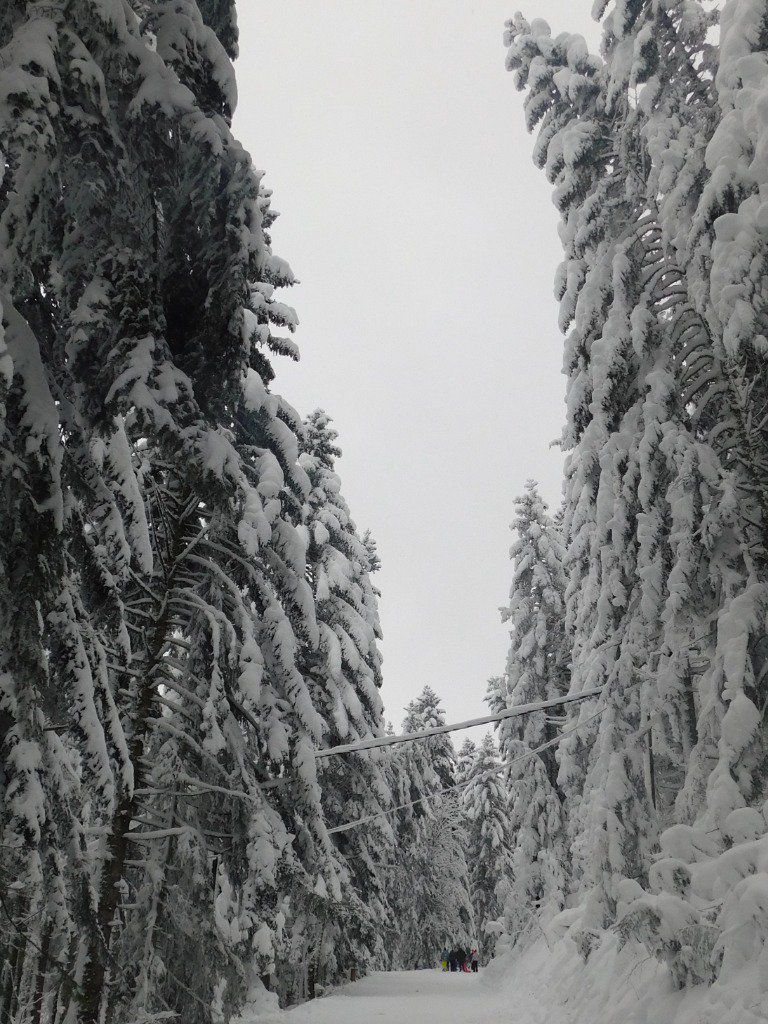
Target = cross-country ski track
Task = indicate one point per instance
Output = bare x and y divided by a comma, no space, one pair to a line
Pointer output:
417,997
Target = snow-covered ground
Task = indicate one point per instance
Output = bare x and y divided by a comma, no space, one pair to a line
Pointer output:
620,986
416,997
543,986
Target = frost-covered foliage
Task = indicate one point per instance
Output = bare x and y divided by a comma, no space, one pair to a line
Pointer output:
344,675
489,849
536,670
536,667
169,659
435,757
656,153
465,761
533,890
428,881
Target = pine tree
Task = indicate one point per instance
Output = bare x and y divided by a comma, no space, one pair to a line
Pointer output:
489,842
436,754
345,681
428,879
161,609
434,908
590,159
535,886
537,663
665,485
465,760
537,670
618,402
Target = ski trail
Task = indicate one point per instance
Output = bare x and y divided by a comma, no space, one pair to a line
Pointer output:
416,997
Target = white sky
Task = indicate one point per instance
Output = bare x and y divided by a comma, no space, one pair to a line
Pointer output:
426,245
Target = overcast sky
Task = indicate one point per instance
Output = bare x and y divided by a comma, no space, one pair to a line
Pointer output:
426,245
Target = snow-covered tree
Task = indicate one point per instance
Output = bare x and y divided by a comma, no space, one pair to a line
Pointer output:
534,887
537,663
436,754
434,908
345,676
650,152
465,760
537,670
428,879
159,789
489,842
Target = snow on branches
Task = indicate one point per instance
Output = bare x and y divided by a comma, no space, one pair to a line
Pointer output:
656,157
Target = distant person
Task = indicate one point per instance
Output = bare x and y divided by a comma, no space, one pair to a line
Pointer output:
461,957
452,960
474,958
444,960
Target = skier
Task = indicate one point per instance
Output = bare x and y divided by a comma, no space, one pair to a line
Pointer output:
475,960
444,959
461,958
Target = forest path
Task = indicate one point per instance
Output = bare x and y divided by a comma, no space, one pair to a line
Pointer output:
417,997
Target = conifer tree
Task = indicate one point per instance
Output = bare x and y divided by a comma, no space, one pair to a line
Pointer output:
150,654
435,754
534,887
664,480
489,842
435,909
588,157
465,760
537,663
537,670
428,882
345,681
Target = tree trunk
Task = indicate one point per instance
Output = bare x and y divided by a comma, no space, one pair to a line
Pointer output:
98,947
156,906
10,976
66,987
42,970
17,976
690,730
650,767
550,762
95,975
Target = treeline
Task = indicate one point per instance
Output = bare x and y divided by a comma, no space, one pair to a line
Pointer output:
187,610
649,817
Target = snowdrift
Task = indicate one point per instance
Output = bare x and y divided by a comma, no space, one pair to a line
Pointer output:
619,986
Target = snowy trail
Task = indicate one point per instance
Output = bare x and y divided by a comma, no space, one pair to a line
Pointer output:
416,997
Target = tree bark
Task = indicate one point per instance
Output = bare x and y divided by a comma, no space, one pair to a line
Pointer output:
651,767
42,970
691,731
18,973
95,975
8,988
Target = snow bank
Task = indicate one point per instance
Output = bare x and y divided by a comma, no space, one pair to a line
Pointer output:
619,986
261,1006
